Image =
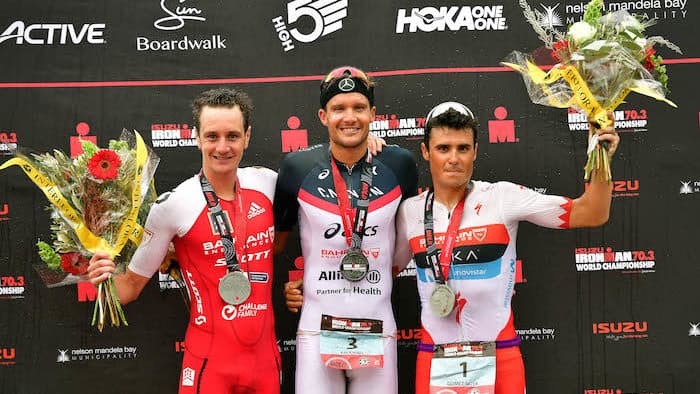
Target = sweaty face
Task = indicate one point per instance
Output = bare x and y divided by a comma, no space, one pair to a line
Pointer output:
347,116
222,140
451,155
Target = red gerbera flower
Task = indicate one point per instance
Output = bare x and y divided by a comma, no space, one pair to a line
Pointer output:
104,164
558,46
74,263
649,62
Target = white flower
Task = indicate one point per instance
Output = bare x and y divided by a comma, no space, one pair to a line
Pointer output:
580,32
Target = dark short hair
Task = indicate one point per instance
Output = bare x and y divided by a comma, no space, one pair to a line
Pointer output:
222,97
452,119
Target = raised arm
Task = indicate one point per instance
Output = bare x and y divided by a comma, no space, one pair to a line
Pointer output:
592,208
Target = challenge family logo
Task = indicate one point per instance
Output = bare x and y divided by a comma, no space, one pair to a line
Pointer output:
8,143
607,259
174,15
172,135
647,9
53,33
96,354
391,126
318,17
452,18
12,287
626,120
294,138
502,129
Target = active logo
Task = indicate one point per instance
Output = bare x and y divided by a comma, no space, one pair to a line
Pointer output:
76,147
8,143
174,16
454,18
607,259
11,287
502,129
294,138
172,135
317,17
91,354
391,126
622,330
53,33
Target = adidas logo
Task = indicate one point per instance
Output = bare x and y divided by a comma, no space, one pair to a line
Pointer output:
255,210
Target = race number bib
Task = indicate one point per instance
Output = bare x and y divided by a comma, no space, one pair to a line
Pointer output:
463,368
348,343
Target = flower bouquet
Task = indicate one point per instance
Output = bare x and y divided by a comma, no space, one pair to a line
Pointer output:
599,61
99,201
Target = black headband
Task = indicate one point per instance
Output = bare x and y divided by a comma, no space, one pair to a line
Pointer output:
346,84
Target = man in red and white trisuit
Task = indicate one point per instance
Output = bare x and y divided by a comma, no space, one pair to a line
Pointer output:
228,348
478,221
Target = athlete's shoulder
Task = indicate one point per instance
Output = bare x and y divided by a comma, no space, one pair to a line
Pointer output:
413,205
188,192
258,178
397,154
306,155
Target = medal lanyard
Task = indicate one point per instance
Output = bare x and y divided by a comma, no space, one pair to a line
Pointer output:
442,272
353,230
223,225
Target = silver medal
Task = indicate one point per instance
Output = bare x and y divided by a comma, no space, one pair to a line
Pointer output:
442,300
234,287
354,266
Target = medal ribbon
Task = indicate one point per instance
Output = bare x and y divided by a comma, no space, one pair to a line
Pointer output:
442,272
223,225
354,230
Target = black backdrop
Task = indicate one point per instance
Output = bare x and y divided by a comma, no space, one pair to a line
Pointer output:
108,65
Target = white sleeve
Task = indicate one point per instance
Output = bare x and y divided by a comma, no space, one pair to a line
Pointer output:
402,249
158,232
519,203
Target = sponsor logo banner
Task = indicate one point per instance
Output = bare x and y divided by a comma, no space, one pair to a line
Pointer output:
96,354
616,331
172,135
8,143
450,18
11,287
626,120
309,20
393,126
536,334
21,33
607,259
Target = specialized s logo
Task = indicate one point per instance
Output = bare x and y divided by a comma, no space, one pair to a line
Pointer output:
326,17
54,33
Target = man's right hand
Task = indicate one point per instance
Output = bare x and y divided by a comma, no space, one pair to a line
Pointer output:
100,268
293,295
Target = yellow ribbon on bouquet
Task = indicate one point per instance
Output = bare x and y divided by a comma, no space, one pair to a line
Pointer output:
129,229
582,97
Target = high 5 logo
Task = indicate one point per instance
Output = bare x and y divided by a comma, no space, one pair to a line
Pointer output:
326,17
